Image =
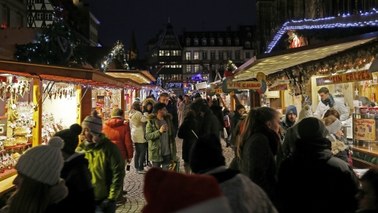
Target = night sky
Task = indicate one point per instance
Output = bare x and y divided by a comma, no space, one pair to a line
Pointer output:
119,18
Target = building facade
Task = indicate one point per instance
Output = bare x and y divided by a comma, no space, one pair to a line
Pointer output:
13,14
193,57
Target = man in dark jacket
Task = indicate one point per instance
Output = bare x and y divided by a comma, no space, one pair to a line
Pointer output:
312,180
171,107
207,122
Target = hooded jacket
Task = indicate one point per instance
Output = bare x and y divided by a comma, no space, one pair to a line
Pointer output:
137,123
153,138
312,180
118,132
106,167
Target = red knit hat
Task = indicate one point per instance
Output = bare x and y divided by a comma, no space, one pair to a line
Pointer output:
167,191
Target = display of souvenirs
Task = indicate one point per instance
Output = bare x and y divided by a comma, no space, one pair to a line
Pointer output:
50,127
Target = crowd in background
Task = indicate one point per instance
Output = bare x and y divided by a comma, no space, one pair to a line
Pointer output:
294,163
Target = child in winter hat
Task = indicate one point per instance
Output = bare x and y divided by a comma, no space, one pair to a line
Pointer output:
43,163
167,191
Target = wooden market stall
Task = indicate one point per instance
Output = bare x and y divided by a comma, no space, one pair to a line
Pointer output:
29,96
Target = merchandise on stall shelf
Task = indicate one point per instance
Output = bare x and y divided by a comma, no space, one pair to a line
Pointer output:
50,127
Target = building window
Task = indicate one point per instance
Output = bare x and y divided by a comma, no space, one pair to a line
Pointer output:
247,55
196,55
188,69
204,41
175,53
196,42
212,41
229,41
204,55
224,55
229,54
237,54
212,55
188,56
220,41
167,53
161,52
247,44
187,41
196,68
249,35
237,42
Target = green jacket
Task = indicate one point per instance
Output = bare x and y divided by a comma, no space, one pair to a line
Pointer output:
153,138
107,168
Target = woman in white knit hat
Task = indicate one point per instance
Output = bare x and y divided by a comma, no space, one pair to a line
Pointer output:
38,183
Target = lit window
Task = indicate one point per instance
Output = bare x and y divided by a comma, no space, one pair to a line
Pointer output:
196,68
161,52
166,53
188,56
196,55
188,69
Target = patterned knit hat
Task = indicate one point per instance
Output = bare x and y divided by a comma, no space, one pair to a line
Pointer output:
93,122
43,163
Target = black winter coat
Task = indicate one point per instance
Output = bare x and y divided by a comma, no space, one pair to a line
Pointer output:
78,181
188,126
312,180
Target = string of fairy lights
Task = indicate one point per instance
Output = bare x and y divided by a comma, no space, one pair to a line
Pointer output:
363,19
118,52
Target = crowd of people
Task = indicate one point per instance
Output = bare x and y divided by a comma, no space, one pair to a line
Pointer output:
294,163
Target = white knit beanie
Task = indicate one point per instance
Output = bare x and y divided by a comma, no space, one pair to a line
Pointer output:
43,163
93,122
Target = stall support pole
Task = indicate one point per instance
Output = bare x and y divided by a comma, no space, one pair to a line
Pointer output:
86,103
255,99
37,114
282,96
123,105
79,93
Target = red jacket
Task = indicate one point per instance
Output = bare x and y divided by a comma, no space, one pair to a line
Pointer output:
119,133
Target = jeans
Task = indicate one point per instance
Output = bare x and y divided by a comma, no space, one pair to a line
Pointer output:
140,155
163,164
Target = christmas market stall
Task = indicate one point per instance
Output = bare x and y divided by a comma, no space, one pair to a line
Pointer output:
342,67
137,84
38,100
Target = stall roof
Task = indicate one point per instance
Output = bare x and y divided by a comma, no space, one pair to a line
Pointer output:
55,73
271,63
141,77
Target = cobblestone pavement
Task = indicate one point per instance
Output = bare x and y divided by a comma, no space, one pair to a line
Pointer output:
134,182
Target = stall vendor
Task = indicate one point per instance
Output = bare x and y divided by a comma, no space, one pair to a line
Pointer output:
327,101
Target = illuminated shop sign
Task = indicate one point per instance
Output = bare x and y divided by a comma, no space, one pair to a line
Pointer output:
254,85
344,78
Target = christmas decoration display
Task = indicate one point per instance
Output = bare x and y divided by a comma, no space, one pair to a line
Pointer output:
352,60
118,53
343,21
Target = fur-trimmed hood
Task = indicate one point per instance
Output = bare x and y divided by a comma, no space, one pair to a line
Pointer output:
153,116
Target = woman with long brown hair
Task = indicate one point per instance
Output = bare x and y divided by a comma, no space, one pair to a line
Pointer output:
258,147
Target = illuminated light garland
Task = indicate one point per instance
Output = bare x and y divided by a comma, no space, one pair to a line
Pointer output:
344,21
118,50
